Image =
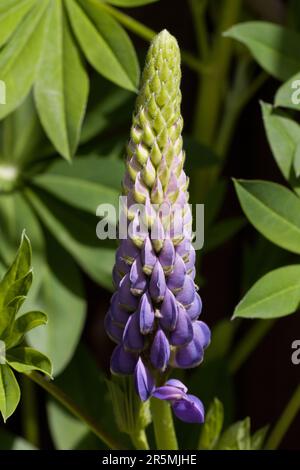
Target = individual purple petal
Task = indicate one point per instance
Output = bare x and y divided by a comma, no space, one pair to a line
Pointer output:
133,340
157,287
167,256
189,409
203,333
192,258
143,380
148,256
117,277
192,273
146,314
187,293
157,234
114,331
137,278
137,230
126,298
167,392
183,332
183,249
122,362
178,384
191,355
122,266
168,311
195,308
160,351
118,314
128,251
175,280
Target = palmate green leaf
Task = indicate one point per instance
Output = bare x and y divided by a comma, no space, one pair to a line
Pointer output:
22,134
130,3
62,84
274,295
212,427
9,391
25,359
20,56
76,232
16,216
236,437
79,193
284,136
23,324
288,95
11,16
113,107
60,294
57,286
105,171
274,47
273,210
104,43
296,162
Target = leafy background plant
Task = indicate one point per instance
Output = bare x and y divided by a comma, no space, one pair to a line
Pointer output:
71,68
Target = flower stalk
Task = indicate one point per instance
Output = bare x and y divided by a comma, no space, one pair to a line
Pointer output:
154,313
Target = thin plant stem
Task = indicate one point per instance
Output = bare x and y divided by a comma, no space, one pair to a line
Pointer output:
211,86
73,408
198,8
29,412
140,440
148,34
249,343
289,414
164,430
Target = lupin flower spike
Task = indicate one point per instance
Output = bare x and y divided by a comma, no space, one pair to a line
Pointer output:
154,313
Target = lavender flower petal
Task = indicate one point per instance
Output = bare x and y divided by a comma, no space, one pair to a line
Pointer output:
160,351
122,362
189,409
143,380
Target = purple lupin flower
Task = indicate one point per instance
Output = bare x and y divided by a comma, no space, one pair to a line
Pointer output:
153,316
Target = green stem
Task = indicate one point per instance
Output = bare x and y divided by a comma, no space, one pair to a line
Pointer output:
249,343
164,431
140,440
211,87
29,412
198,8
73,408
148,34
289,414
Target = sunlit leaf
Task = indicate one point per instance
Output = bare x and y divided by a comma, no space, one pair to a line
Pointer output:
9,391
274,295
284,136
104,43
20,56
61,87
273,210
213,426
12,16
25,359
274,47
